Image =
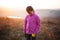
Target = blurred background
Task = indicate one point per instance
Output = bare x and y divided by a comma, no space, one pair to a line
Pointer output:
13,12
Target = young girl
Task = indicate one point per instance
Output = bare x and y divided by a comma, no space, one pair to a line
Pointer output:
31,24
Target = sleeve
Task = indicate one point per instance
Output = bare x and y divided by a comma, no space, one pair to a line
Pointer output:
25,23
38,24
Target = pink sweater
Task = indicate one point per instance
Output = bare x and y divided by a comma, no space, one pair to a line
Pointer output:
32,24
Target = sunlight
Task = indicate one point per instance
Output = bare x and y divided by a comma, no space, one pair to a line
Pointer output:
14,17
37,4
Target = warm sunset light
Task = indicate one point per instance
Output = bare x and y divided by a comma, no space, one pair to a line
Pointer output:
13,17
16,23
37,4
17,7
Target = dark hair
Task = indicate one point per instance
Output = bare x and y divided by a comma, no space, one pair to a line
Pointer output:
29,8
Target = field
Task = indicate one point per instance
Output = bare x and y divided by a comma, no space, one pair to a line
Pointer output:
12,29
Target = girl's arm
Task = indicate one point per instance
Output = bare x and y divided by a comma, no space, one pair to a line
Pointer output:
25,23
38,24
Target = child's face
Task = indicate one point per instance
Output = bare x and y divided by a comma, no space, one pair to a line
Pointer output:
30,12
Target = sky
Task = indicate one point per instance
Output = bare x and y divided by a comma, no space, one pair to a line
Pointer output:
13,6
37,4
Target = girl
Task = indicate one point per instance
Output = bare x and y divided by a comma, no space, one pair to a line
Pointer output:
31,24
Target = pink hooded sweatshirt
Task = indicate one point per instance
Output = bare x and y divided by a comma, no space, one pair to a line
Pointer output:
32,24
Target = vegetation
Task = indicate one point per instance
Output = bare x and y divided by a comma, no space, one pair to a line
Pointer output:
12,29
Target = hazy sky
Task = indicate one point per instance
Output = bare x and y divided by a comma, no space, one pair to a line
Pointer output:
37,4
15,5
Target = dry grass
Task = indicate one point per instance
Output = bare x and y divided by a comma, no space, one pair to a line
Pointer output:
12,29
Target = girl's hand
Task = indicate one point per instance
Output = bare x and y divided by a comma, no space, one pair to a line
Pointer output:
33,35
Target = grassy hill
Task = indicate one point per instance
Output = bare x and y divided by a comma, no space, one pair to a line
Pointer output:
12,29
